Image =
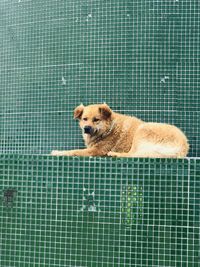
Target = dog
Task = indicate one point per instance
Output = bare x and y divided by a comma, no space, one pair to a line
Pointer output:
107,133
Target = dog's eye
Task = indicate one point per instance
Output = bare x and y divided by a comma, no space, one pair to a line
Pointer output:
85,119
96,120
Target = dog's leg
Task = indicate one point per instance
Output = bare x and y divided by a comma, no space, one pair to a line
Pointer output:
87,152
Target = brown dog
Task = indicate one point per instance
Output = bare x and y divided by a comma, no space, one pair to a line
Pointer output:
108,133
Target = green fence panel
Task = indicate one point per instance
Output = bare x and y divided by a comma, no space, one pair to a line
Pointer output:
141,57
99,212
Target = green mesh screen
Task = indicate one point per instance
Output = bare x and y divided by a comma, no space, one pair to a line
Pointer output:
139,56
142,58
99,212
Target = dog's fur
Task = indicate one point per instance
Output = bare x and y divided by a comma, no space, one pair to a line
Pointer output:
109,133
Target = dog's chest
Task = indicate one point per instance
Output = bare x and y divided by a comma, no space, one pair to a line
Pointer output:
86,139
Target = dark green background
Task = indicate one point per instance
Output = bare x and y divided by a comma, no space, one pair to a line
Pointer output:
144,212
141,57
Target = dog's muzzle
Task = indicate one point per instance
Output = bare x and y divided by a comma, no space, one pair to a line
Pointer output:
88,130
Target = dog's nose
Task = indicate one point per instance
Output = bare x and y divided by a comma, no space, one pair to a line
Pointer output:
88,129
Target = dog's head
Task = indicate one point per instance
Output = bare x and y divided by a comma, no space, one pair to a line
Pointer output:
94,120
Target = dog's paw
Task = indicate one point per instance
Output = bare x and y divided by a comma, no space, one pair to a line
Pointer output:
62,153
113,154
56,153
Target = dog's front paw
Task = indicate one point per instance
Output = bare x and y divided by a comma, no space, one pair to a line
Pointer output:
55,153
62,153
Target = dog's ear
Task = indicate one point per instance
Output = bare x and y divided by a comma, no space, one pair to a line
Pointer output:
78,111
105,111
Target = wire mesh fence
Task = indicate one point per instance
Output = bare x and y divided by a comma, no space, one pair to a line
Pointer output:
99,212
142,58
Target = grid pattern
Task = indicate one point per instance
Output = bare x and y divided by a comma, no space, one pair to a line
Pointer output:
141,57
99,212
